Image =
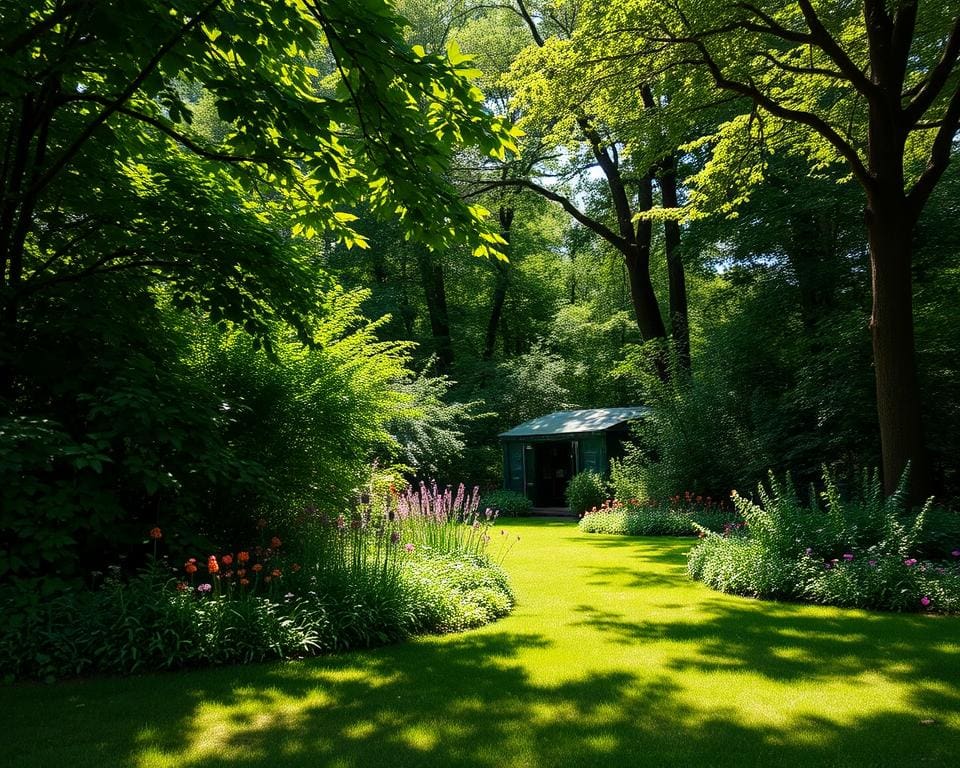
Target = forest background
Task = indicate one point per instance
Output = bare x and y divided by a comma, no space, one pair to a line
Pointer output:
219,307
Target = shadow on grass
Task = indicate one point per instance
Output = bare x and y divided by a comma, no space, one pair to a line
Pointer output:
470,703
484,699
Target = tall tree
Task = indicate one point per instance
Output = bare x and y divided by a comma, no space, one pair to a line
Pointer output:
88,89
877,86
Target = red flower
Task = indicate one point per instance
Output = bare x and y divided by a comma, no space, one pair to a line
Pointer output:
243,556
227,559
156,533
212,565
276,573
257,568
190,568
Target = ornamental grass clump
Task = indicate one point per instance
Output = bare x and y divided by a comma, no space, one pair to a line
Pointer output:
865,550
441,520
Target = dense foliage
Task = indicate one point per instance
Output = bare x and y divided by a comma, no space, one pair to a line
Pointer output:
857,549
383,573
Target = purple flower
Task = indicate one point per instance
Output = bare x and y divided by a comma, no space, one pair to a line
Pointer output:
924,601
956,553
910,562
409,547
848,557
204,588
872,563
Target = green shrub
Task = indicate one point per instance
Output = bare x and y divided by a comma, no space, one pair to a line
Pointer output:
508,503
451,594
585,491
860,551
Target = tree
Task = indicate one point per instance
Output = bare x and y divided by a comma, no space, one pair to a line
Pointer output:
879,88
87,89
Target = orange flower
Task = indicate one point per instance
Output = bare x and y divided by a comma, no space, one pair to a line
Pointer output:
190,568
275,573
275,542
244,582
227,559
257,568
212,565
243,556
156,533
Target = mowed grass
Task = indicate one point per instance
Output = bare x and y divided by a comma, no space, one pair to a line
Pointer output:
611,658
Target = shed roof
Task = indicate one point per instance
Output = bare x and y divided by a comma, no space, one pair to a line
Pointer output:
575,422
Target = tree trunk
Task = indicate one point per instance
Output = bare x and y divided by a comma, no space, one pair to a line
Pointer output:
890,230
679,315
500,288
431,272
636,255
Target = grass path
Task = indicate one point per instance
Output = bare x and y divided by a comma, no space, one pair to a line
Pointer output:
612,658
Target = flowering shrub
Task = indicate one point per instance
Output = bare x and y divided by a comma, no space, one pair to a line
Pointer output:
678,516
860,552
348,581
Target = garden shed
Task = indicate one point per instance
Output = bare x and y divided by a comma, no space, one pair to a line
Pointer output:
541,455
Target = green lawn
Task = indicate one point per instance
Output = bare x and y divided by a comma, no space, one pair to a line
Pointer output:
612,657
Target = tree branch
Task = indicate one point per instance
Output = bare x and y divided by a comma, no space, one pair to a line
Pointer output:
599,228
825,41
937,79
939,156
537,37
115,104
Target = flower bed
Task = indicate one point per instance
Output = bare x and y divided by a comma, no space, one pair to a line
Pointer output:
420,564
679,516
864,552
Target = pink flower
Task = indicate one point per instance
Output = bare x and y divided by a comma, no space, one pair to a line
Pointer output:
924,601
848,557
409,547
956,553
910,562
872,563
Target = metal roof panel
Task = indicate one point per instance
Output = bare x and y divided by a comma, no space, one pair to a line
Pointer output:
575,422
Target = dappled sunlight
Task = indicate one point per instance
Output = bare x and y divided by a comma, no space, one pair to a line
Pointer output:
642,669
